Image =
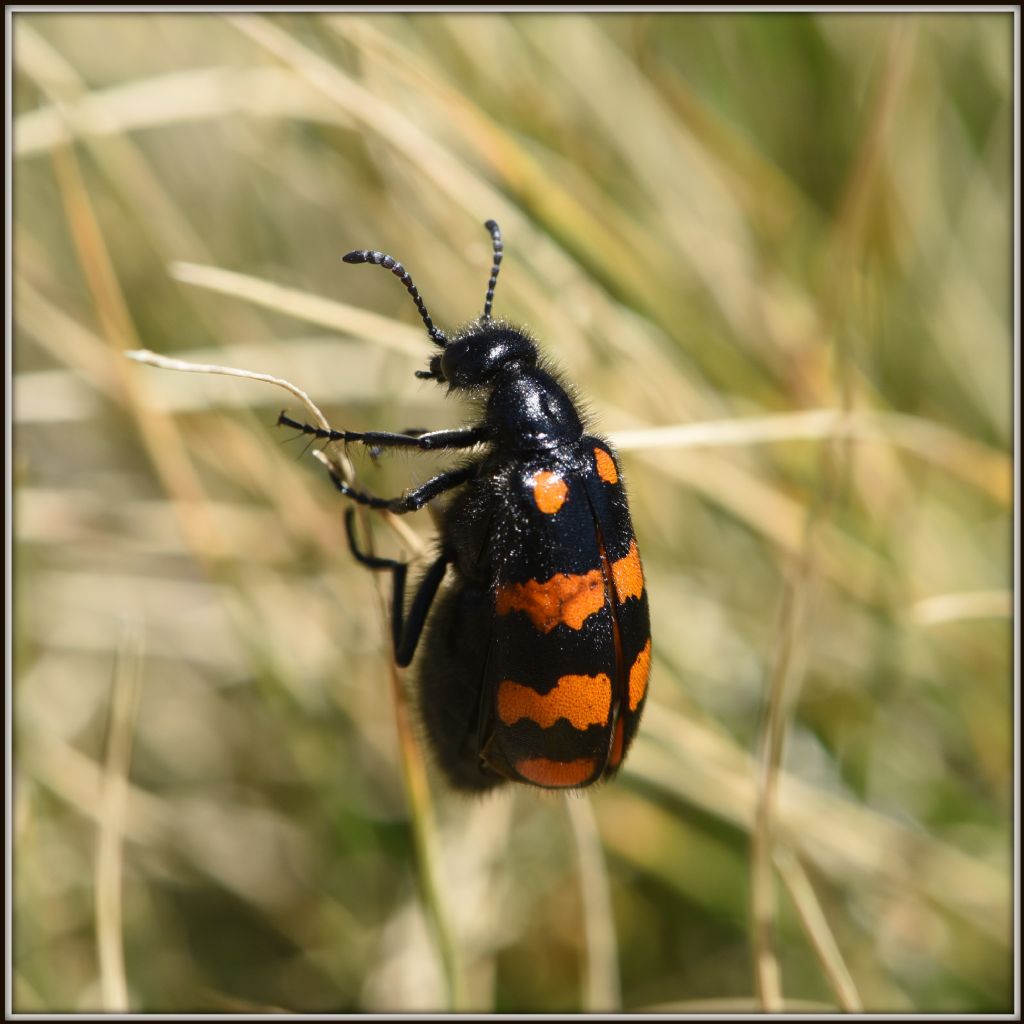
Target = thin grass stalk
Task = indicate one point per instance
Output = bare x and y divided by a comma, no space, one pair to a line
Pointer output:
311,308
816,926
425,840
113,804
162,440
602,991
767,973
977,464
788,666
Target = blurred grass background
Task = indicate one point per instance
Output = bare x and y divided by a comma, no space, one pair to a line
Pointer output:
785,240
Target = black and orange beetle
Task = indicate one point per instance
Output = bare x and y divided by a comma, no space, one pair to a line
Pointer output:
535,656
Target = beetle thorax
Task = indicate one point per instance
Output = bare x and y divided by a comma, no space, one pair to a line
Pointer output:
528,409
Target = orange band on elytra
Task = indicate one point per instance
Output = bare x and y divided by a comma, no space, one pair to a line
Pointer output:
564,599
638,676
628,575
581,700
605,466
556,774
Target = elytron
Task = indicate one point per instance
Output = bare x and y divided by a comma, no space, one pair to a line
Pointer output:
530,627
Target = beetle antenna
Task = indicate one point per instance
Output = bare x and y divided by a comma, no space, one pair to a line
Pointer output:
499,250
382,259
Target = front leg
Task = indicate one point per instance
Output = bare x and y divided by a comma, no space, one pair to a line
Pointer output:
425,441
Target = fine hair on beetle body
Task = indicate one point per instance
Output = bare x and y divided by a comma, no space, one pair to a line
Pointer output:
533,659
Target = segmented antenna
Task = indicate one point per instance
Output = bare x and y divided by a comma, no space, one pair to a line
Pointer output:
499,249
382,259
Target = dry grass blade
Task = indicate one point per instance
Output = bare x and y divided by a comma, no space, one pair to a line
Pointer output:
169,363
977,464
124,704
816,925
303,306
428,859
163,442
180,97
984,604
785,669
602,992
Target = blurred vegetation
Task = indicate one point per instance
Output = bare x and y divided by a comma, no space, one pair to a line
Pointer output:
783,240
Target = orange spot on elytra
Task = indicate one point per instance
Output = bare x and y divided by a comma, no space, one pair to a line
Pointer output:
627,575
638,676
556,774
606,466
565,599
549,492
616,755
582,700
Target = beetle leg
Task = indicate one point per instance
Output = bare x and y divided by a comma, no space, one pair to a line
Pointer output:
424,441
411,500
405,629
